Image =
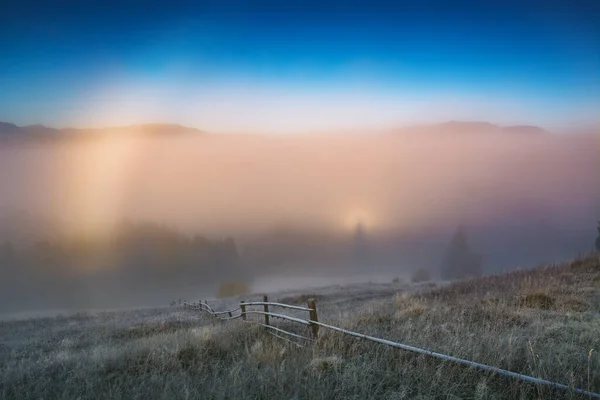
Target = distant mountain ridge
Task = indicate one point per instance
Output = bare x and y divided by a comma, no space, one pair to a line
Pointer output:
473,127
41,132
7,128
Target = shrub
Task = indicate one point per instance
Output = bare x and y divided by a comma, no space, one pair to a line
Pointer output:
229,289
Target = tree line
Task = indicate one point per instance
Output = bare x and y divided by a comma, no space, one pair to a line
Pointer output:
137,259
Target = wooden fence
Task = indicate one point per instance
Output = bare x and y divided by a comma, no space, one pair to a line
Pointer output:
245,308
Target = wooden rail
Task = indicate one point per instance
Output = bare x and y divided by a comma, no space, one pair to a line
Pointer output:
260,303
284,331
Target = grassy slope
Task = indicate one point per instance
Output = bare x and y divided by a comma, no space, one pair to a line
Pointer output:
542,322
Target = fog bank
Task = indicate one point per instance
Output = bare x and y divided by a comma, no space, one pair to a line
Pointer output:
294,203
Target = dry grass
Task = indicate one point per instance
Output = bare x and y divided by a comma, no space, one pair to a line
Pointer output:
537,300
541,322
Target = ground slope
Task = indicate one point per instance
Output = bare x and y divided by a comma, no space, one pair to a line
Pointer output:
543,322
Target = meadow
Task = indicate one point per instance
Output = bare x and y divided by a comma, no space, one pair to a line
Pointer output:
543,322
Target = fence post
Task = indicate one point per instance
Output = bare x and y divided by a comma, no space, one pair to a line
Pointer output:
266,307
313,317
243,307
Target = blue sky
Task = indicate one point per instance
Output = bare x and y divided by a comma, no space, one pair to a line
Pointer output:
284,66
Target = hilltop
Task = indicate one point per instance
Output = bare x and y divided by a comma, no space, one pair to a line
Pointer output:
543,322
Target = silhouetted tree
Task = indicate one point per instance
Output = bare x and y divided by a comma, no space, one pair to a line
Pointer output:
598,239
361,245
225,255
459,261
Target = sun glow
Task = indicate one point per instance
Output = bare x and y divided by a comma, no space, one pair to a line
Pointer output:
358,216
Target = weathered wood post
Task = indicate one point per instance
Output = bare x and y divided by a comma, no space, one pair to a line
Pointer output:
243,307
266,307
313,317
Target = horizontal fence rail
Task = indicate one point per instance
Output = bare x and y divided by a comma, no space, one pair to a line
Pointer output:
284,338
314,324
283,331
214,314
282,316
227,312
261,303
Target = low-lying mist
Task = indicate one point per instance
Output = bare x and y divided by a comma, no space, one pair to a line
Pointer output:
121,220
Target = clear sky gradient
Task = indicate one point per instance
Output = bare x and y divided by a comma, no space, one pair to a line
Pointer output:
278,66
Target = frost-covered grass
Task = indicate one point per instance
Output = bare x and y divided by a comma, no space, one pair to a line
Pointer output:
542,322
